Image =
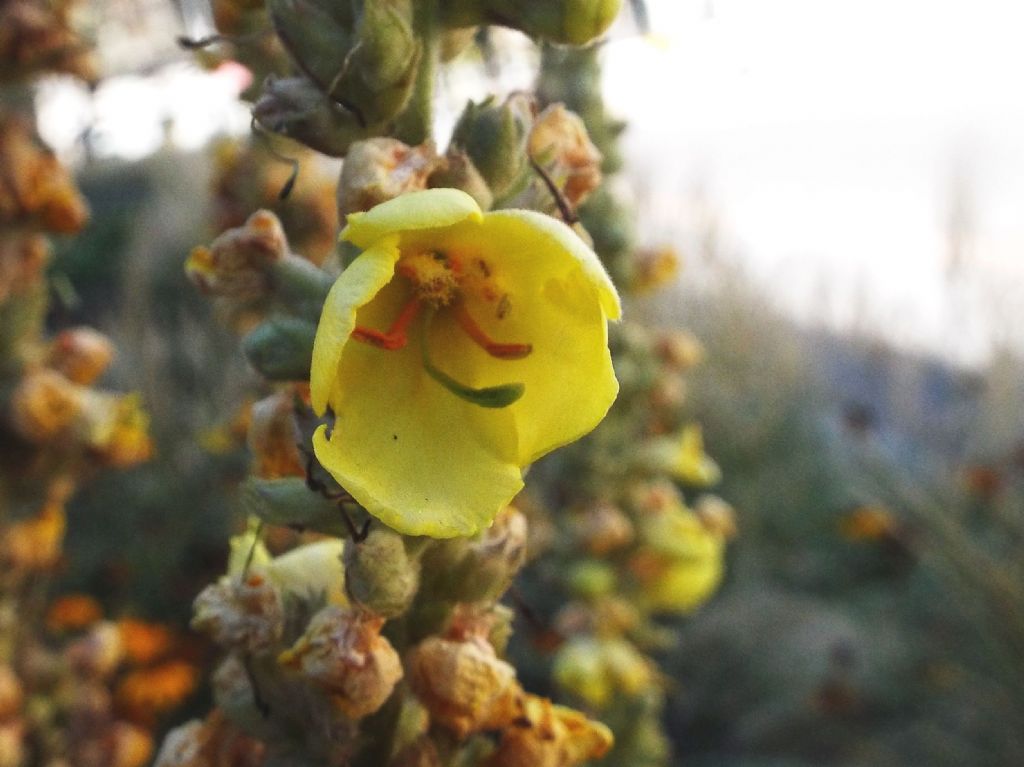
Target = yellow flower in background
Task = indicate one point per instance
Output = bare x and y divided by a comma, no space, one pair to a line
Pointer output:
456,349
691,464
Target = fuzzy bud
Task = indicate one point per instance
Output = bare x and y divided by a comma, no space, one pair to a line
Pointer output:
243,613
379,574
281,348
380,169
494,138
598,669
343,652
12,739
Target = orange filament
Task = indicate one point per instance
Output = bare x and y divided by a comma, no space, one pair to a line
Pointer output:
480,337
396,336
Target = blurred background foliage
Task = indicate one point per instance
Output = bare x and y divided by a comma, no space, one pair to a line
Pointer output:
873,606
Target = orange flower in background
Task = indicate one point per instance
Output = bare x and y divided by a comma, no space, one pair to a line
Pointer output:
149,692
144,642
72,612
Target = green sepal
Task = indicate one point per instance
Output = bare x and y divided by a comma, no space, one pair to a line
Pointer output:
281,348
288,502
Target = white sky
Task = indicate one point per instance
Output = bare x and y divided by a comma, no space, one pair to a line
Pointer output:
825,135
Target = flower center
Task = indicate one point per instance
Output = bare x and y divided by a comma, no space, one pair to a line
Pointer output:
439,283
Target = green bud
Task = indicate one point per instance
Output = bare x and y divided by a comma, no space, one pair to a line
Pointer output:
591,578
455,41
301,286
570,22
289,502
296,108
379,574
281,348
459,172
494,138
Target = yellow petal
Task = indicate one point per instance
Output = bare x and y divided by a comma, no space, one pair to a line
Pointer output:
548,234
356,286
558,298
417,457
428,209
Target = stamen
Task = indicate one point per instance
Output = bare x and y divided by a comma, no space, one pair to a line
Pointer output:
488,396
489,345
397,335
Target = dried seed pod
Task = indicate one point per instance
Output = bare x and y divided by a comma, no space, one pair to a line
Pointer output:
241,612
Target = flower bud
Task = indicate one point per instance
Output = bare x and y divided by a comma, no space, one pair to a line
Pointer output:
459,172
281,348
37,190
682,457
34,544
80,354
546,735
38,36
598,669
44,405
98,653
274,437
369,67
591,578
680,350
296,108
602,528
571,22
116,428
73,612
238,262
420,753
653,268
559,142
717,516
379,574
462,683
11,694
22,260
379,169
207,744
12,740
130,746
494,138
241,612
343,652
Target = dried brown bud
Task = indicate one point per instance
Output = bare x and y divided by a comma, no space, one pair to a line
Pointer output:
343,652
238,262
80,354
37,36
211,743
717,516
380,169
22,259
10,692
130,746
243,613
546,735
35,544
559,142
463,683
602,528
44,405
679,349
12,748
274,437
36,189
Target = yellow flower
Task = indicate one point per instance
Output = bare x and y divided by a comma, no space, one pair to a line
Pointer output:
691,464
455,350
